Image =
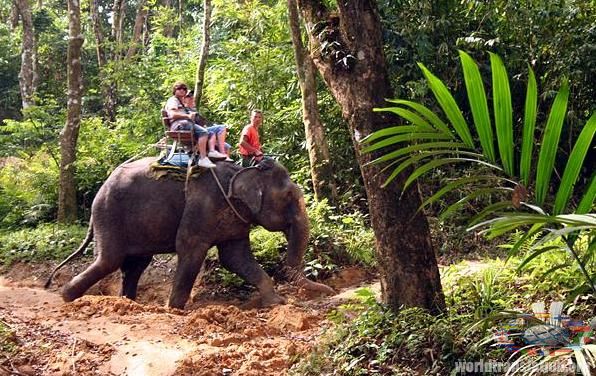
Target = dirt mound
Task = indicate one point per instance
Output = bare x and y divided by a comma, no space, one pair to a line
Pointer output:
218,333
95,306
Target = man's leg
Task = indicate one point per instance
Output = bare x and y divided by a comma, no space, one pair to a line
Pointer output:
202,140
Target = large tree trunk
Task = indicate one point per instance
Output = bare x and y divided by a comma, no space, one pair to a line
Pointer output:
67,199
355,71
108,88
200,75
137,30
316,143
28,72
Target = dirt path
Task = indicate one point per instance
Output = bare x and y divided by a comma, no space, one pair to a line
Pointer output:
108,335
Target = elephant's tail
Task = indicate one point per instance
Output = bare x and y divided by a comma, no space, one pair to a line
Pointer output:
76,253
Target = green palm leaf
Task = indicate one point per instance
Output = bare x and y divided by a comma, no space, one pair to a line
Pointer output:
449,106
502,112
478,104
529,126
446,145
457,184
550,142
422,110
587,201
478,193
405,137
574,164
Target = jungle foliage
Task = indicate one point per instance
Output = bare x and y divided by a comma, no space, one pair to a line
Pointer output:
551,45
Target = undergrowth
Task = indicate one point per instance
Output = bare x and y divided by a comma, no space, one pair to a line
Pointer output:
371,339
45,242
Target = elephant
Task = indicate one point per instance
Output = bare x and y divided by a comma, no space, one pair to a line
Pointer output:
135,216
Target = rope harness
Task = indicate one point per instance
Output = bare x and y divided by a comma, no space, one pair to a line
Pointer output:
226,196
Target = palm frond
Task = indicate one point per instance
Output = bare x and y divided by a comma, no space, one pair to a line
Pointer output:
550,142
436,122
478,104
449,106
529,127
503,112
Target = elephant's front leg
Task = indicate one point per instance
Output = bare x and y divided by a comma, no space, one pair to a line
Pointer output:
190,258
236,256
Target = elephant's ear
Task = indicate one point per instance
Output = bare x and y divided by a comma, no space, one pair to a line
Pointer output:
247,186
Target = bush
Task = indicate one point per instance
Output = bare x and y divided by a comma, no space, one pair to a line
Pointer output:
29,189
371,339
46,242
339,239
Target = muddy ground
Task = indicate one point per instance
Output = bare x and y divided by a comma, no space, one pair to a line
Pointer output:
219,333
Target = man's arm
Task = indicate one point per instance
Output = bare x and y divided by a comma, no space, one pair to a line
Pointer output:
253,151
177,113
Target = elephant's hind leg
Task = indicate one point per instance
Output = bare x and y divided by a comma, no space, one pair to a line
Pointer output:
82,282
132,268
237,258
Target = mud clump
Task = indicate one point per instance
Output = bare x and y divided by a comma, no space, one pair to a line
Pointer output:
95,306
253,342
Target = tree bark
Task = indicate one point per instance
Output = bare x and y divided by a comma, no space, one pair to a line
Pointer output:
118,11
28,72
67,199
168,30
108,88
349,56
200,75
316,143
137,30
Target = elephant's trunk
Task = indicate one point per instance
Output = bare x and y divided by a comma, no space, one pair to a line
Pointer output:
297,237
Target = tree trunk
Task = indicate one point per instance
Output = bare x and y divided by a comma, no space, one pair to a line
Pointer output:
352,64
108,89
168,30
200,75
67,199
137,30
316,143
28,72
118,11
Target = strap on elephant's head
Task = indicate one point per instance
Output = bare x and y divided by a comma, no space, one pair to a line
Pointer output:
250,192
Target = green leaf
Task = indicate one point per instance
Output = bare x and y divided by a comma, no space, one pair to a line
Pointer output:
479,192
410,116
490,209
574,164
478,104
424,111
587,201
550,142
449,106
503,112
410,161
405,137
529,127
535,254
400,129
456,184
453,146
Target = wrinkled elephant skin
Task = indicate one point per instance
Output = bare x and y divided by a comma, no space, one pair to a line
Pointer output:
135,216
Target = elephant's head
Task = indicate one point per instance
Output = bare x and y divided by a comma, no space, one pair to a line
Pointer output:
277,204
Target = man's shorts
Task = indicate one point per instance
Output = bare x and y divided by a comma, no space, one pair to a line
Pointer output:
186,125
216,129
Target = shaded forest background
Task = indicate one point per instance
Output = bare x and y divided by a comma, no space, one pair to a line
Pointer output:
251,65
133,52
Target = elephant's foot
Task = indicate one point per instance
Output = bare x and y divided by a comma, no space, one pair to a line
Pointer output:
271,299
305,283
69,293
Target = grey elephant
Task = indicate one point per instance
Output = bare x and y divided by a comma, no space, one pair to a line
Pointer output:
136,215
